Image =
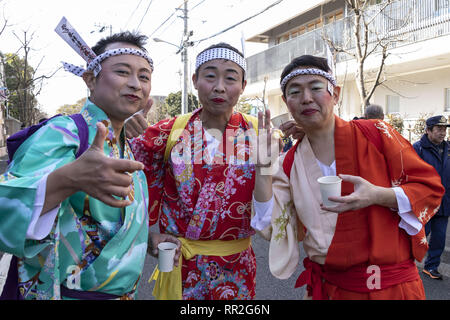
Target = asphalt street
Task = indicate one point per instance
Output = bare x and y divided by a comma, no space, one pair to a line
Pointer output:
270,288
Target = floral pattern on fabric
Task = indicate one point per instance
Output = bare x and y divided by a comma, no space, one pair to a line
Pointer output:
203,199
107,245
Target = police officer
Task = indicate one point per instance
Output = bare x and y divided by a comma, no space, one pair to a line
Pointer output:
433,149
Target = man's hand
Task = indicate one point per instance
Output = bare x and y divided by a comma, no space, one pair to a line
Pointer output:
366,194
156,238
268,142
94,173
267,155
291,128
137,123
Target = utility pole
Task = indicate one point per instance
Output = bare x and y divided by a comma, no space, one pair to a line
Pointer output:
184,59
183,48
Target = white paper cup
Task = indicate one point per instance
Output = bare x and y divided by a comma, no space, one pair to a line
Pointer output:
280,119
166,253
330,186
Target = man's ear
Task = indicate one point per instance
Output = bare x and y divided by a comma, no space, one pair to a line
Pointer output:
336,94
244,84
89,79
194,80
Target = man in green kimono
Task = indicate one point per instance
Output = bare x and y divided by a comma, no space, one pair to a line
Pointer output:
79,226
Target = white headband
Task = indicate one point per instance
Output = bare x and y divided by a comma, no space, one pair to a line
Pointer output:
221,53
95,65
331,80
71,36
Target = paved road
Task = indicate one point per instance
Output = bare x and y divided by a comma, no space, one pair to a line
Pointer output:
271,288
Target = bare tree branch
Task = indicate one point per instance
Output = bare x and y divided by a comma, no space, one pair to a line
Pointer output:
29,84
396,92
366,40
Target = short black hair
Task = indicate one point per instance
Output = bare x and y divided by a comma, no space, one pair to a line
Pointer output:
305,61
139,40
374,111
226,46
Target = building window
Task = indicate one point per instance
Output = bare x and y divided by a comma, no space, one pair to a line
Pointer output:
447,99
392,104
335,16
310,26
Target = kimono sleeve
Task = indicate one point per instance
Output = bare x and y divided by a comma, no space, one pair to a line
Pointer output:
149,149
418,179
51,147
287,230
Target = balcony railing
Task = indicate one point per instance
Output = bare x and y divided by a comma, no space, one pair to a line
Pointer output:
401,23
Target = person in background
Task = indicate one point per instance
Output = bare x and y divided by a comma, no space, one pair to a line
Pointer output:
373,111
433,149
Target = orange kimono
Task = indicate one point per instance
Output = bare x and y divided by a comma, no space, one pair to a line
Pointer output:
347,251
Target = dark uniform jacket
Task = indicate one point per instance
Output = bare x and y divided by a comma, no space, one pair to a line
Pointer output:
440,161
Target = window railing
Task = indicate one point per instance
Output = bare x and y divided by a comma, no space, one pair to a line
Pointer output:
401,23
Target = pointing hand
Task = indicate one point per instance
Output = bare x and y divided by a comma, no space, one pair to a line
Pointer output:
102,177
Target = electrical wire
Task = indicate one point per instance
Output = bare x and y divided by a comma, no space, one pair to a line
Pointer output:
245,20
198,4
132,14
164,22
148,7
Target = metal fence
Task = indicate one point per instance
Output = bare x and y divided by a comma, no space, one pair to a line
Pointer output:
401,23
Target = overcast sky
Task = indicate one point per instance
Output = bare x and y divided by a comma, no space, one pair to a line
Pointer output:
206,18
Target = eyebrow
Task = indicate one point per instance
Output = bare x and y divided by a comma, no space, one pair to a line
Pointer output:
215,68
123,64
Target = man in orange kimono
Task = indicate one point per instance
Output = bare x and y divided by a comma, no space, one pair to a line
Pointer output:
365,246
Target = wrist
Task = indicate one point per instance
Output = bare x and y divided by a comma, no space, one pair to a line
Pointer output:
63,181
263,188
385,197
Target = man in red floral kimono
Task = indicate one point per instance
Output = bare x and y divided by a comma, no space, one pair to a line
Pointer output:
206,200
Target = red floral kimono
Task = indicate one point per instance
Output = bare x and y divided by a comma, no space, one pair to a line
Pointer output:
203,199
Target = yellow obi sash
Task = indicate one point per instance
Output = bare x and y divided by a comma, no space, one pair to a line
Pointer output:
168,285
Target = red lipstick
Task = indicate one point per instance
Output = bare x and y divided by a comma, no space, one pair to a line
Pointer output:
218,100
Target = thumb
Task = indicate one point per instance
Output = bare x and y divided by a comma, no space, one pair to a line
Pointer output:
100,137
147,107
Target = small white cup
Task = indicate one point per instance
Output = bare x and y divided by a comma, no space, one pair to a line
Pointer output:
330,186
166,253
280,119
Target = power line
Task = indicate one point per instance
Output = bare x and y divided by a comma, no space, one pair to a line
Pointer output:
148,7
245,20
198,4
132,14
164,22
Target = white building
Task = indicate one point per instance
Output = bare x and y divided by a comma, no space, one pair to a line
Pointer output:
417,70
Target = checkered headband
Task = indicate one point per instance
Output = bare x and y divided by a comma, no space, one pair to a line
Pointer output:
95,65
313,71
221,53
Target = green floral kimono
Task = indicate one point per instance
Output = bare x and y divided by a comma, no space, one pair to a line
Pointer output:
91,246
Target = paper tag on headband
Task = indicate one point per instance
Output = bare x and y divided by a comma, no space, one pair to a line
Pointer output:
71,36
